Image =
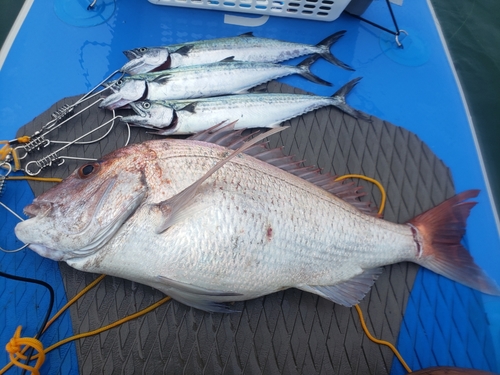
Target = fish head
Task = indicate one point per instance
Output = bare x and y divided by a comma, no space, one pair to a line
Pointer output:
144,60
151,114
77,217
124,91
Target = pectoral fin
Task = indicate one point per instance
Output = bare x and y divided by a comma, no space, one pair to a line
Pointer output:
179,206
162,78
347,293
191,107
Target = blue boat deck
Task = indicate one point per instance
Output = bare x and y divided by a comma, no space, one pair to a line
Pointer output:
415,88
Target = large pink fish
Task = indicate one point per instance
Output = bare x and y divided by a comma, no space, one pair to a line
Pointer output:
161,214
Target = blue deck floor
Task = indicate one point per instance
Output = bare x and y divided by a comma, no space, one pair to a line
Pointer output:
414,88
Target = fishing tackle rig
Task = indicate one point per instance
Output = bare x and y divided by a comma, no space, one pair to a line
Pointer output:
81,121
76,121
7,168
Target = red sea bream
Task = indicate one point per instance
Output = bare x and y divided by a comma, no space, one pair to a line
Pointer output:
145,213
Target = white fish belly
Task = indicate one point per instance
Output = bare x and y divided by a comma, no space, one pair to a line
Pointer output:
247,114
252,230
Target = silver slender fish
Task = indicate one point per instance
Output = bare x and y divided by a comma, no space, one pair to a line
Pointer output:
244,47
221,78
207,228
249,111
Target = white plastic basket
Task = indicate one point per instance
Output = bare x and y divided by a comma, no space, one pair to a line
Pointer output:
319,10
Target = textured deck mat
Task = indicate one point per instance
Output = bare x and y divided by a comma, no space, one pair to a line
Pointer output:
290,332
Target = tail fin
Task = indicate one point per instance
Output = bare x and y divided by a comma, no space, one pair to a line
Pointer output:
340,100
440,231
326,44
305,67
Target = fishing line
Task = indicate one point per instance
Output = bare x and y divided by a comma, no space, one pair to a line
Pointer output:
34,167
396,33
358,309
2,188
43,352
380,342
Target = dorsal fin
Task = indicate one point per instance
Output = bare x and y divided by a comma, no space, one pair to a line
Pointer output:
226,136
247,35
228,59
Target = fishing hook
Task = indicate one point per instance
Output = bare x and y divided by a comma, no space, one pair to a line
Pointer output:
60,117
39,139
21,219
34,167
400,45
2,189
91,6
66,109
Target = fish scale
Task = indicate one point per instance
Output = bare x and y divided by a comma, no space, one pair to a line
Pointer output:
305,222
207,225
192,116
221,78
245,47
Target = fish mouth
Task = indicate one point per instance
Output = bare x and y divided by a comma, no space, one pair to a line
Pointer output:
131,54
134,66
125,95
38,209
114,101
48,252
137,109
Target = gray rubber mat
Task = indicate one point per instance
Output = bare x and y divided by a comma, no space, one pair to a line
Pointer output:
291,332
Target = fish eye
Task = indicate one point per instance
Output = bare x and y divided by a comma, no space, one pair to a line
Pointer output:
143,49
119,82
88,170
146,105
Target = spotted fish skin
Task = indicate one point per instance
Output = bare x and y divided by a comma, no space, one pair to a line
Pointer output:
249,111
221,78
244,47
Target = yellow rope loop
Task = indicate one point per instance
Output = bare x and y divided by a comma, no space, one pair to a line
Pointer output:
15,350
7,150
15,157
373,181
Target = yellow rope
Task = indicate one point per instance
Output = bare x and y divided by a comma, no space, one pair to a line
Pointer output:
380,342
14,346
73,300
373,181
23,139
109,326
358,309
15,350
29,178
8,150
